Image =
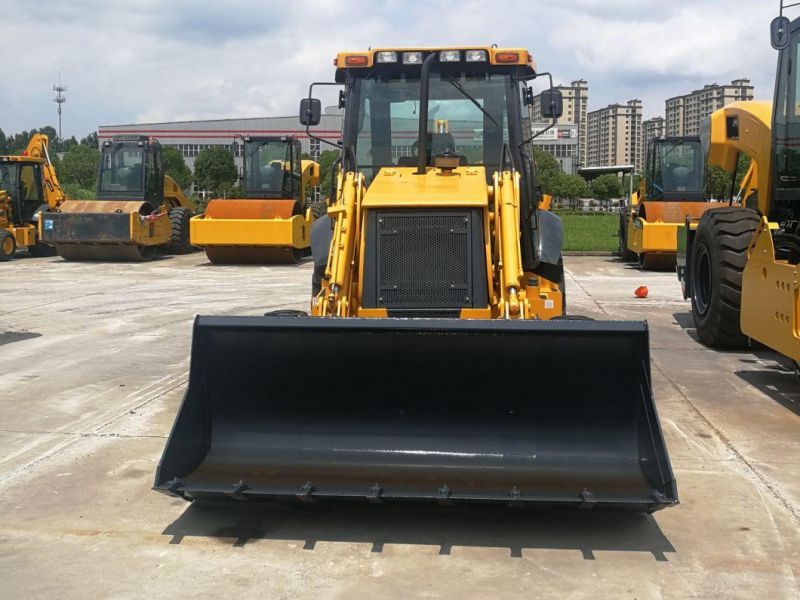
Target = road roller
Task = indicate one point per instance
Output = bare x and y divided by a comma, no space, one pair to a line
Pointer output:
272,222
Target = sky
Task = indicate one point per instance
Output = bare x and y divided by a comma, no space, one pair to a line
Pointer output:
143,61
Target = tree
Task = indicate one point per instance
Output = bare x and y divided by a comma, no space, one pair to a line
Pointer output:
626,183
215,170
90,140
718,181
569,186
326,160
546,168
606,186
174,166
79,166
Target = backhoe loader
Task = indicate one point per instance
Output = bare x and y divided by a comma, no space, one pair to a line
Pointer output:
443,368
28,188
739,264
272,223
672,189
139,211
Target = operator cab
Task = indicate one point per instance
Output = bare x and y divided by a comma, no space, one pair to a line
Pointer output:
272,167
22,180
675,169
131,169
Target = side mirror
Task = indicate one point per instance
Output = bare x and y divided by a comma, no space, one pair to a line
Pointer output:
310,111
779,32
552,103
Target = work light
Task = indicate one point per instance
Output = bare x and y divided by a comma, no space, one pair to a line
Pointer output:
449,56
386,57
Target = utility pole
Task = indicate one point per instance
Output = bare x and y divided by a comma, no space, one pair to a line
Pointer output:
59,99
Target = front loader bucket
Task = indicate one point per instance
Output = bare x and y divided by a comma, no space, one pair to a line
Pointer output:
520,412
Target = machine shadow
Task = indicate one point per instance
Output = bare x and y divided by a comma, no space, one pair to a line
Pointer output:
9,337
686,322
775,377
586,531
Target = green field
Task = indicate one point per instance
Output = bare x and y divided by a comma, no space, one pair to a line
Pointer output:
590,232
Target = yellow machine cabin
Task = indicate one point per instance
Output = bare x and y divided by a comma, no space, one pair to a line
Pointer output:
28,188
272,223
139,211
671,189
436,364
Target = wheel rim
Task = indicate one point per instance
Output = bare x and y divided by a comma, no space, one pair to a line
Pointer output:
8,245
701,280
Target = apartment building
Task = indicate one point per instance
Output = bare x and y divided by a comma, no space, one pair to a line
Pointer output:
653,128
614,135
576,99
684,114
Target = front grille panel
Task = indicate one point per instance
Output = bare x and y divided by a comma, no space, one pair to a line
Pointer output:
424,260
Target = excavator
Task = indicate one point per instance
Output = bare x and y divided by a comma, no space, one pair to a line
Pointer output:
739,264
139,211
672,189
28,187
444,369
272,223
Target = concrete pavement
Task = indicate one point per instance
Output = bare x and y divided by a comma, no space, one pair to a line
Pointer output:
93,363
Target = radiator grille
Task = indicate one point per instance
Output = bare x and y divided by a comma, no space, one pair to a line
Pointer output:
424,260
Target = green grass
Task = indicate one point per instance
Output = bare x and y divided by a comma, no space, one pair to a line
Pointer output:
590,232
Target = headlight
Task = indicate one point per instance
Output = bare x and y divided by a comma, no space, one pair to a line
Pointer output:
476,55
386,57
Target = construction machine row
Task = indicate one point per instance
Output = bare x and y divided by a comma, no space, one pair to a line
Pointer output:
438,361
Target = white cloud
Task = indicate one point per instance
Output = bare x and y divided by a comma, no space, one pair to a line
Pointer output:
147,60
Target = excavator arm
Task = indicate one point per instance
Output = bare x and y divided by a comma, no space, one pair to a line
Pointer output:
38,148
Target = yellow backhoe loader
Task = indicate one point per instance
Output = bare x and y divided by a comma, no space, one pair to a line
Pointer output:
272,223
28,188
671,189
139,211
739,264
443,368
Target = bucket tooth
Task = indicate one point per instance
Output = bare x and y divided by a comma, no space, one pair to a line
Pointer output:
237,490
304,495
587,499
443,496
175,486
375,493
514,497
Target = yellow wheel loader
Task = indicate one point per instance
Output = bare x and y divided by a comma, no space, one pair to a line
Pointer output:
671,189
28,187
272,223
443,368
739,264
139,211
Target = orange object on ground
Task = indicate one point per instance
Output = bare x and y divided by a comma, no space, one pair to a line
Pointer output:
641,291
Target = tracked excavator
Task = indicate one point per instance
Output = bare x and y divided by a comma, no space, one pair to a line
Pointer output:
139,211
739,264
28,187
444,368
671,190
272,223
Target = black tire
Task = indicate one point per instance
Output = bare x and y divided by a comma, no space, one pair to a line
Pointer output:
40,250
719,255
622,236
316,280
318,209
8,245
179,241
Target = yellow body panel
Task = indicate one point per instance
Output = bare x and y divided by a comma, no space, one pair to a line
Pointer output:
401,187
148,231
644,237
294,232
771,297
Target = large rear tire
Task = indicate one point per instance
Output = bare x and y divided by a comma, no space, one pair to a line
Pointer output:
8,245
719,255
179,242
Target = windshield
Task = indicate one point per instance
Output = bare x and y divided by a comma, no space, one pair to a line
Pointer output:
122,168
268,167
467,116
678,167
